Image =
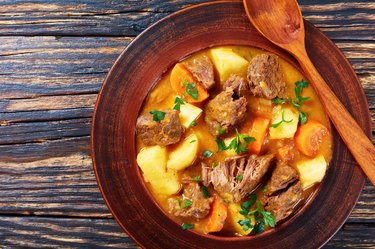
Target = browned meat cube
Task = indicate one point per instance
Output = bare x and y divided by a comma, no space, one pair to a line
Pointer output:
265,77
282,177
281,205
164,132
237,175
203,71
238,84
225,112
200,206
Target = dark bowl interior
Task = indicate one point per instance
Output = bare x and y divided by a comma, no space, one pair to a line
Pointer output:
134,74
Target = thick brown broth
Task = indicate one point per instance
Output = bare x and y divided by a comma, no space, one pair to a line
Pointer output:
163,96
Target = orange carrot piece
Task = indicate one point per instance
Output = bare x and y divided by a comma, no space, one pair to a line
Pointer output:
308,138
258,131
180,77
216,219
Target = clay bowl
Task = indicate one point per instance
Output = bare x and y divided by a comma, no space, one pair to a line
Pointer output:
132,77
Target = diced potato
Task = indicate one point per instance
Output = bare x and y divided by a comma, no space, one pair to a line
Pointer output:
152,161
227,62
285,129
189,113
184,154
312,170
233,217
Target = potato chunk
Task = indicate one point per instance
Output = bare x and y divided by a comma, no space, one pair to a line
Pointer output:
189,113
184,154
152,161
233,217
227,62
285,129
312,170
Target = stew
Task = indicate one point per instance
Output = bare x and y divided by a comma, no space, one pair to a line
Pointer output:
232,140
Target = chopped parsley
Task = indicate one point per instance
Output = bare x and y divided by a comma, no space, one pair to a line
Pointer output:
297,101
186,203
178,102
259,216
220,145
206,193
275,125
264,190
207,153
239,178
186,226
193,123
157,115
220,130
236,143
193,141
197,178
192,90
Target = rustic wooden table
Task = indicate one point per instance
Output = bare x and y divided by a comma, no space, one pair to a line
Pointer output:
54,56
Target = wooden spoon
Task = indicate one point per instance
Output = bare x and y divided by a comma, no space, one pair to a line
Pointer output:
280,21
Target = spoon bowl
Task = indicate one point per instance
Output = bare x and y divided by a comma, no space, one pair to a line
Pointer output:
287,24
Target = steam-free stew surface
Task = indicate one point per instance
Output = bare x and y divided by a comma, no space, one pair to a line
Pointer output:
163,97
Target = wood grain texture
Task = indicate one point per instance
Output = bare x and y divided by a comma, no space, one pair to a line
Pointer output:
339,19
105,233
53,49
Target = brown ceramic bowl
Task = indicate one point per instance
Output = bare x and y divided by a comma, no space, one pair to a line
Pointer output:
132,77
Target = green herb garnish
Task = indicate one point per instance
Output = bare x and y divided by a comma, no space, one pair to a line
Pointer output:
197,178
186,226
186,203
157,115
259,215
206,193
264,190
192,90
220,145
237,145
220,130
178,102
239,178
297,101
193,123
193,141
207,153
282,121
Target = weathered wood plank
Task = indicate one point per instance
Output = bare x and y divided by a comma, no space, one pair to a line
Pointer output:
32,232
37,66
344,20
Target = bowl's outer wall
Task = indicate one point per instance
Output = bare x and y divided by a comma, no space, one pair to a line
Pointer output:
136,71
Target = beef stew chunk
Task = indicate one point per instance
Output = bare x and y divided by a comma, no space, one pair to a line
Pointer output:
165,132
237,175
282,205
224,111
239,85
200,206
203,71
281,178
265,77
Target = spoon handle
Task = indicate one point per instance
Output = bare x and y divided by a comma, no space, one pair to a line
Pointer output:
355,139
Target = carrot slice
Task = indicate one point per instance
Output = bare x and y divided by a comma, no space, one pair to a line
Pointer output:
258,131
181,78
309,137
216,219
